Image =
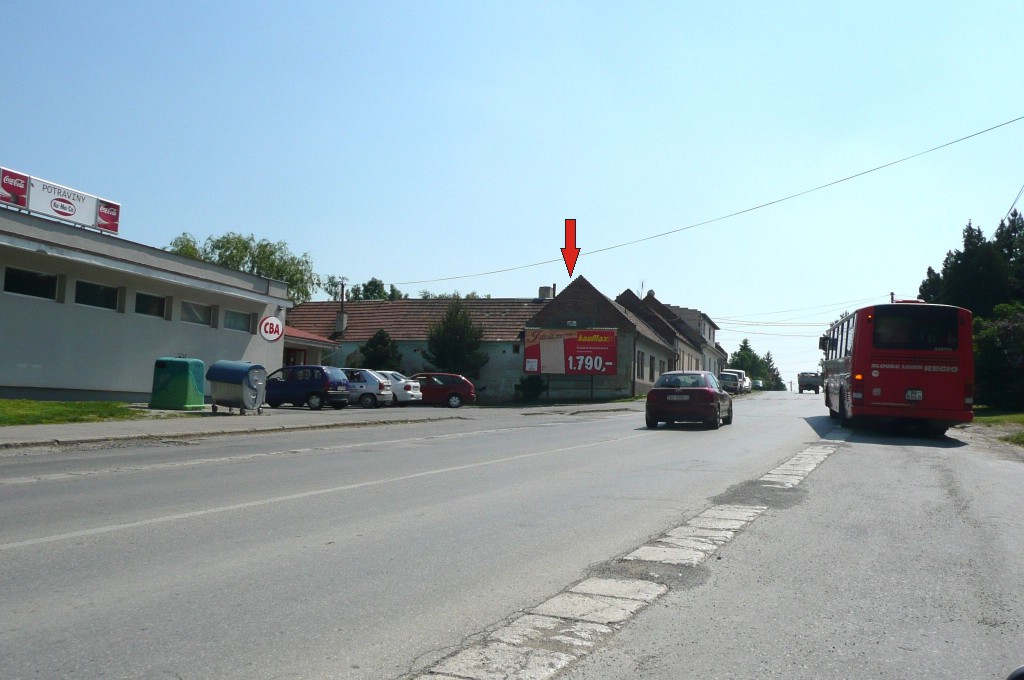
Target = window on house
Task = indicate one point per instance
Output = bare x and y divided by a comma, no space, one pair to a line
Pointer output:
515,348
640,364
193,312
652,367
95,295
237,321
34,284
150,305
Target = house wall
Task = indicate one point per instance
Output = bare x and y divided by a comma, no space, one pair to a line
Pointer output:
59,349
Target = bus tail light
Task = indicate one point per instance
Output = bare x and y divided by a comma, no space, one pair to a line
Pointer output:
969,394
857,389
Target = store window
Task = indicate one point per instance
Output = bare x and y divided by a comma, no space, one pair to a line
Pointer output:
150,305
96,295
237,321
34,284
193,312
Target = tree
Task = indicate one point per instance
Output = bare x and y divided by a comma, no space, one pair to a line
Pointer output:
1009,241
262,258
381,352
774,380
374,290
471,295
334,286
999,356
757,367
453,343
977,278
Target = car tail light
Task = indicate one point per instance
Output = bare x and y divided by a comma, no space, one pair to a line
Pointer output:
857,389
408,387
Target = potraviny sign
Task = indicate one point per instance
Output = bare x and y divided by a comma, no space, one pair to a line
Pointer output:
46,198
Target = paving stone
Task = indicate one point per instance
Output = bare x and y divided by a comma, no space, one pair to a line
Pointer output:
500,661
631,589
594,608
735,513
700,544
579,637
712,523
654,553
719,536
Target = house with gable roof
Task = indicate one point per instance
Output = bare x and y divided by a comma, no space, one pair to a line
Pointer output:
643,353
686,340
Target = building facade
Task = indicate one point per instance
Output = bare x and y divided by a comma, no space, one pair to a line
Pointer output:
86,315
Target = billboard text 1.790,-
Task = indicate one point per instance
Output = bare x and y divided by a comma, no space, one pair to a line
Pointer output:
568,351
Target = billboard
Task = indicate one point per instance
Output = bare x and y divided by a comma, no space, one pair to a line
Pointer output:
571,351
47,198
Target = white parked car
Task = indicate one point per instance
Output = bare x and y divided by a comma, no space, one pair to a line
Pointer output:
407,391
368,388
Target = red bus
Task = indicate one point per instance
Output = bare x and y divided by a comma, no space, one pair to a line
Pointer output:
906,361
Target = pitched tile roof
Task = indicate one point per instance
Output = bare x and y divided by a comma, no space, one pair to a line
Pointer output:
297,334
502,319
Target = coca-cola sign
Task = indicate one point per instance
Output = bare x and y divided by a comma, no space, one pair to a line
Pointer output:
36,195
13,188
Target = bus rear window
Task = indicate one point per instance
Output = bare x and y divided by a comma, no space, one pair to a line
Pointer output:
910,327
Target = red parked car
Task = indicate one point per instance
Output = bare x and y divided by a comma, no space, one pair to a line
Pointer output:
448,389
688,396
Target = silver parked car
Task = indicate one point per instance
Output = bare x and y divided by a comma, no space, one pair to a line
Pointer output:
368,388
407,391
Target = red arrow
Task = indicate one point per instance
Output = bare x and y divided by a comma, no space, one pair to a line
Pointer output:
570,252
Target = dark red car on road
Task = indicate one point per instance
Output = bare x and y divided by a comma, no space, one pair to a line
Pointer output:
679,396
449,389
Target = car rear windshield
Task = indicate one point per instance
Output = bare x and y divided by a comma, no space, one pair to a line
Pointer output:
915,328
680,381
335,373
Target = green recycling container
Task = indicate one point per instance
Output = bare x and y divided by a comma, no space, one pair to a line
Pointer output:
178,384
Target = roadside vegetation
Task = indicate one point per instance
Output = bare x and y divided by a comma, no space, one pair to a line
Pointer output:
1012,421
28,412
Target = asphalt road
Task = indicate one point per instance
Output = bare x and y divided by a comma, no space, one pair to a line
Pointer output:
899,557
378,552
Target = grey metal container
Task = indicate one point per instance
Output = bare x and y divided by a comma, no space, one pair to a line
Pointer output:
237,384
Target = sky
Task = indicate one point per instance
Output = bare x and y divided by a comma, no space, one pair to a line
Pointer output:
442,145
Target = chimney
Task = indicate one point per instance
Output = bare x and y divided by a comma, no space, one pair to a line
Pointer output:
554,290
544,293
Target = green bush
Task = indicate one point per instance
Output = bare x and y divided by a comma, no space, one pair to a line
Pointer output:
531,387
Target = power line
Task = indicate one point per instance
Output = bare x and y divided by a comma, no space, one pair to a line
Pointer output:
777,335
723,217
1014,205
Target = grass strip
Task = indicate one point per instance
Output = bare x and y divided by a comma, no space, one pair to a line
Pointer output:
29,412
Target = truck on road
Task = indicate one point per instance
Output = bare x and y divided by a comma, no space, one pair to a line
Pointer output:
809,381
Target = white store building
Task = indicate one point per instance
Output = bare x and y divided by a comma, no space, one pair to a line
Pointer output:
85,315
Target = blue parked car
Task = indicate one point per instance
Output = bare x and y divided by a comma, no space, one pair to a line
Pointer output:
311,386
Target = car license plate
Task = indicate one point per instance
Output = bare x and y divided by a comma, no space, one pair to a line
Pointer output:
679,397
915,395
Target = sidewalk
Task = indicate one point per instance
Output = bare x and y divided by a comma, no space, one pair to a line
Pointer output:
161,424
179,424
